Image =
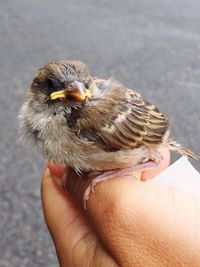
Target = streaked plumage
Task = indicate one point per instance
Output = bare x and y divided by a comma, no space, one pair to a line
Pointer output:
113,128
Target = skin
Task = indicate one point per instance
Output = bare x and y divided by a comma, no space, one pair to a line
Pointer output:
127,222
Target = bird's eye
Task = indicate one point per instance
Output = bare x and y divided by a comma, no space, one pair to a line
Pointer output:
87,84
52,84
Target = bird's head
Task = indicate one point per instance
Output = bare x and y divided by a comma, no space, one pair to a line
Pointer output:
61,83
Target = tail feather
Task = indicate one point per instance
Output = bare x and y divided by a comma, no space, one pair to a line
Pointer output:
173,145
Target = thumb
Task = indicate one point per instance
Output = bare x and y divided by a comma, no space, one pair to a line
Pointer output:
75,241
63,218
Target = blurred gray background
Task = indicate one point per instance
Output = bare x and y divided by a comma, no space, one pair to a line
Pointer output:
153,46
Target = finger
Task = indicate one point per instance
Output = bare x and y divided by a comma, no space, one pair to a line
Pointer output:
108,204
57,170
73,237
143,223
110,212
62,216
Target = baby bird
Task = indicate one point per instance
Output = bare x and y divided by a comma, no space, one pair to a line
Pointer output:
93,125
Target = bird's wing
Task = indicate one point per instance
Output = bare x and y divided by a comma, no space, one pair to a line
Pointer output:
121,118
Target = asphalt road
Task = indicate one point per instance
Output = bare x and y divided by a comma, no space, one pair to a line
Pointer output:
152,46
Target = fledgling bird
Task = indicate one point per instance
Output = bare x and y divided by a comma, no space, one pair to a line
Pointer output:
91,124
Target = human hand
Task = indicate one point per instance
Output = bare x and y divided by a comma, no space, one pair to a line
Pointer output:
127,222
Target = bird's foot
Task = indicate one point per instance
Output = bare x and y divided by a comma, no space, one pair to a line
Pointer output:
108,175
155,155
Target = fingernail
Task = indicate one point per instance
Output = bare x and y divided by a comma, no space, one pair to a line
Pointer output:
57,170
57,180
61,179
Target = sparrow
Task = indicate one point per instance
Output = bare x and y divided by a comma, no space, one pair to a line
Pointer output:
92,124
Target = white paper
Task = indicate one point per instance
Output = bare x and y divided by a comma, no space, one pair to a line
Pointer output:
181,174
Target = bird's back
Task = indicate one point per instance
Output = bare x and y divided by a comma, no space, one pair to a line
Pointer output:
121,119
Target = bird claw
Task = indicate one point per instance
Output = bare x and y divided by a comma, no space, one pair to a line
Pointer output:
88,190
92,187
155,155
109,175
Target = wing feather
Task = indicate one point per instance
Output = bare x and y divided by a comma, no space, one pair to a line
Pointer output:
122,119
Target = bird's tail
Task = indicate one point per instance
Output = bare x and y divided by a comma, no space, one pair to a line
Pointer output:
173,145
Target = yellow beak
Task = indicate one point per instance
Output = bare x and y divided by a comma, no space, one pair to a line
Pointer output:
76,95
87,93
58,94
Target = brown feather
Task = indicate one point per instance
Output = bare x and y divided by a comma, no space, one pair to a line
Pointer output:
114,128
121,118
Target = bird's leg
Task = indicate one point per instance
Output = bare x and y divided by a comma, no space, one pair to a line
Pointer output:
108,175
154,155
